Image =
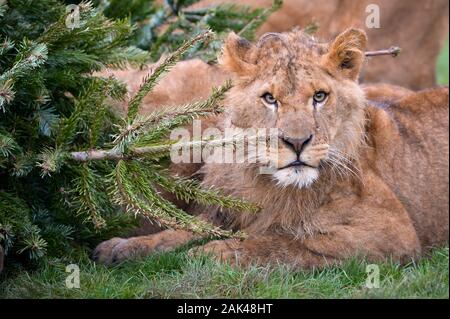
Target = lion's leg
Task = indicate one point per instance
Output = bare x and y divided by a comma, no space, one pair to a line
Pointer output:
317,251
117,250
264,250
383,234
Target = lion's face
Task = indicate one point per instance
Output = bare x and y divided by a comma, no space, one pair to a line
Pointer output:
306,90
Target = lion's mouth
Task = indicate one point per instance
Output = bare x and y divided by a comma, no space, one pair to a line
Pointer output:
297,164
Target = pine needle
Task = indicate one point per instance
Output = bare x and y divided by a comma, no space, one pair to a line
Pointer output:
151,80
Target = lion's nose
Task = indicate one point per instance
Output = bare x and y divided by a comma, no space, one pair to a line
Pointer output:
297,144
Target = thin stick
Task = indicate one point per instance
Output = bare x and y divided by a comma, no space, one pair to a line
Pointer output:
392,51
114,154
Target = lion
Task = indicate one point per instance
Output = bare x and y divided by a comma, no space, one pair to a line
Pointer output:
359,170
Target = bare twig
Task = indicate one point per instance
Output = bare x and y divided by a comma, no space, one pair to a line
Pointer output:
392,51
136,152
113,154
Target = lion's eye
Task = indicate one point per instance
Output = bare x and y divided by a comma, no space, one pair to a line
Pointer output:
320,97
269,99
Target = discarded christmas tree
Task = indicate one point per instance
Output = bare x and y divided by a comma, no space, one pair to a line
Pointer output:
70,166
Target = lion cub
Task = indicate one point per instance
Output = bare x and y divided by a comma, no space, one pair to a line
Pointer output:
352,177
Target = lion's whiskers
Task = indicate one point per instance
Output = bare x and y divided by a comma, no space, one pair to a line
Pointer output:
343,162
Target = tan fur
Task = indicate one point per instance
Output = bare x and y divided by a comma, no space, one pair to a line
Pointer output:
382,162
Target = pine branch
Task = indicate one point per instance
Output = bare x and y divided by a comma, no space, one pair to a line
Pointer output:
90,200
6,93
151,80
3,8
16,228
50,161
32,56
33,244
7,145
137,196
146,151
59,29
23,164
190,190
107,49
161,121
6,46
88,109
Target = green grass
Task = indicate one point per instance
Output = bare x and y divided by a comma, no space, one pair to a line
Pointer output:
175,275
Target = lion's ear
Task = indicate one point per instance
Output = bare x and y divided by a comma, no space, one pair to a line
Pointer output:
346,53
237,55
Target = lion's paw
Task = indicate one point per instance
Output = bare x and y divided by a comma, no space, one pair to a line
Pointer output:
103,253
116,250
